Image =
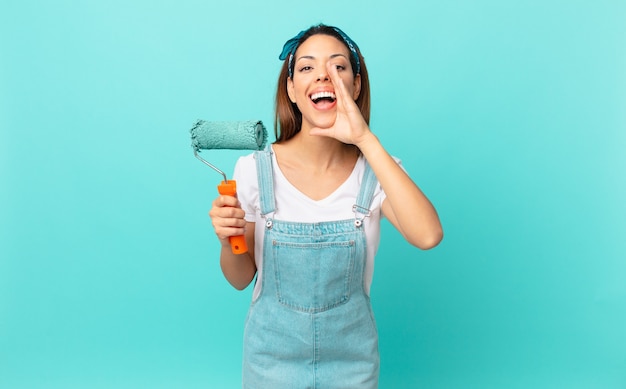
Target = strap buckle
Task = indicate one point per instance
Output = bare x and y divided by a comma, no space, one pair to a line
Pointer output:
359,210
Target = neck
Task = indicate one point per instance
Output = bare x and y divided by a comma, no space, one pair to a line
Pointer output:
320,151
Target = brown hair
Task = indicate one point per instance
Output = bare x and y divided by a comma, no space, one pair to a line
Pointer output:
288,119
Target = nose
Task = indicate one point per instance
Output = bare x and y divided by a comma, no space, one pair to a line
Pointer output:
323,76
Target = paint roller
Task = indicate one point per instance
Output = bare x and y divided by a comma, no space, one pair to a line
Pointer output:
236,135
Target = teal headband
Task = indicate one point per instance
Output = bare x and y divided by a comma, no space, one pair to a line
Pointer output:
290,47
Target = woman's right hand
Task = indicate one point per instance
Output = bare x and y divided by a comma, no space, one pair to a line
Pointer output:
227,218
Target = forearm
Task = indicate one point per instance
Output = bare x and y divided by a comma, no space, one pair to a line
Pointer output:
239,269
406,206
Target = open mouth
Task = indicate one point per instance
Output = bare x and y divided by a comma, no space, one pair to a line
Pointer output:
323,98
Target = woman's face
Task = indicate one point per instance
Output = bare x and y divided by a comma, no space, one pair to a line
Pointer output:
311,88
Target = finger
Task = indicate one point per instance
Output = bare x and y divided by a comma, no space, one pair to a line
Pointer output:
225,226
345,100
227,212
226,201
340,88
220,223
224,233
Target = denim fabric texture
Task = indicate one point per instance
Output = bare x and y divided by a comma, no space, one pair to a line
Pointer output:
312,325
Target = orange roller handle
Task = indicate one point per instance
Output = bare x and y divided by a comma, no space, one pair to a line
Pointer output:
237,243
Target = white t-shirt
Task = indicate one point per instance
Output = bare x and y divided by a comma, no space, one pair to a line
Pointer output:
294,206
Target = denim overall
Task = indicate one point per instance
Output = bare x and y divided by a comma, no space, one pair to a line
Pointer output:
312,325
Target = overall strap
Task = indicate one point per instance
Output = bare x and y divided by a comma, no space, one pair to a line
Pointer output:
366,194
265,179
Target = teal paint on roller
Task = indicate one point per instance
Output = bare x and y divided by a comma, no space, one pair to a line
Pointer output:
237,135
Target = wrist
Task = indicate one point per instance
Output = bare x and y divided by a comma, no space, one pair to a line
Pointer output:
367,142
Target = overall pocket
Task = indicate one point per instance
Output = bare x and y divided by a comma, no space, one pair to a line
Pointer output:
313,277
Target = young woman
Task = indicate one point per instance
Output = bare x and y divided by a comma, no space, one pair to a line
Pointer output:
310,208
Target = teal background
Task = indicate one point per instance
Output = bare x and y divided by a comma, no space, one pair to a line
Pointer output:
510,115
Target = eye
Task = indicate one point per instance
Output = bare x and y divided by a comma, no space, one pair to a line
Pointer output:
305,68
340,67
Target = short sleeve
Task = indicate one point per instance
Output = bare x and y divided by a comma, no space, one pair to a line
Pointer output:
379,193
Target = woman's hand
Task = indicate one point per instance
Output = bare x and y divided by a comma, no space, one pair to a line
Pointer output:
406,207
349,126
227,218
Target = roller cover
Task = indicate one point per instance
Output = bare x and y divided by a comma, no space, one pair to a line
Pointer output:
237,135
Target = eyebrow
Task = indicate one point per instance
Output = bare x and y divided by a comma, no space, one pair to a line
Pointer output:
312,57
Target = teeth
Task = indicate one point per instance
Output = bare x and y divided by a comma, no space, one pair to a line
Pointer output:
320,95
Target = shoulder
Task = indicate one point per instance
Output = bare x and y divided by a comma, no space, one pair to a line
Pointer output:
247,184
246,167
246,162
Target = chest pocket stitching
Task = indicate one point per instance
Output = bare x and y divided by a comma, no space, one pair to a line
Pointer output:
313,277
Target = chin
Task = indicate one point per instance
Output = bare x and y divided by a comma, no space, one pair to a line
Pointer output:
324,122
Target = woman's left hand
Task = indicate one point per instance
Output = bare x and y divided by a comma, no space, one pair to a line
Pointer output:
406,207
350,126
